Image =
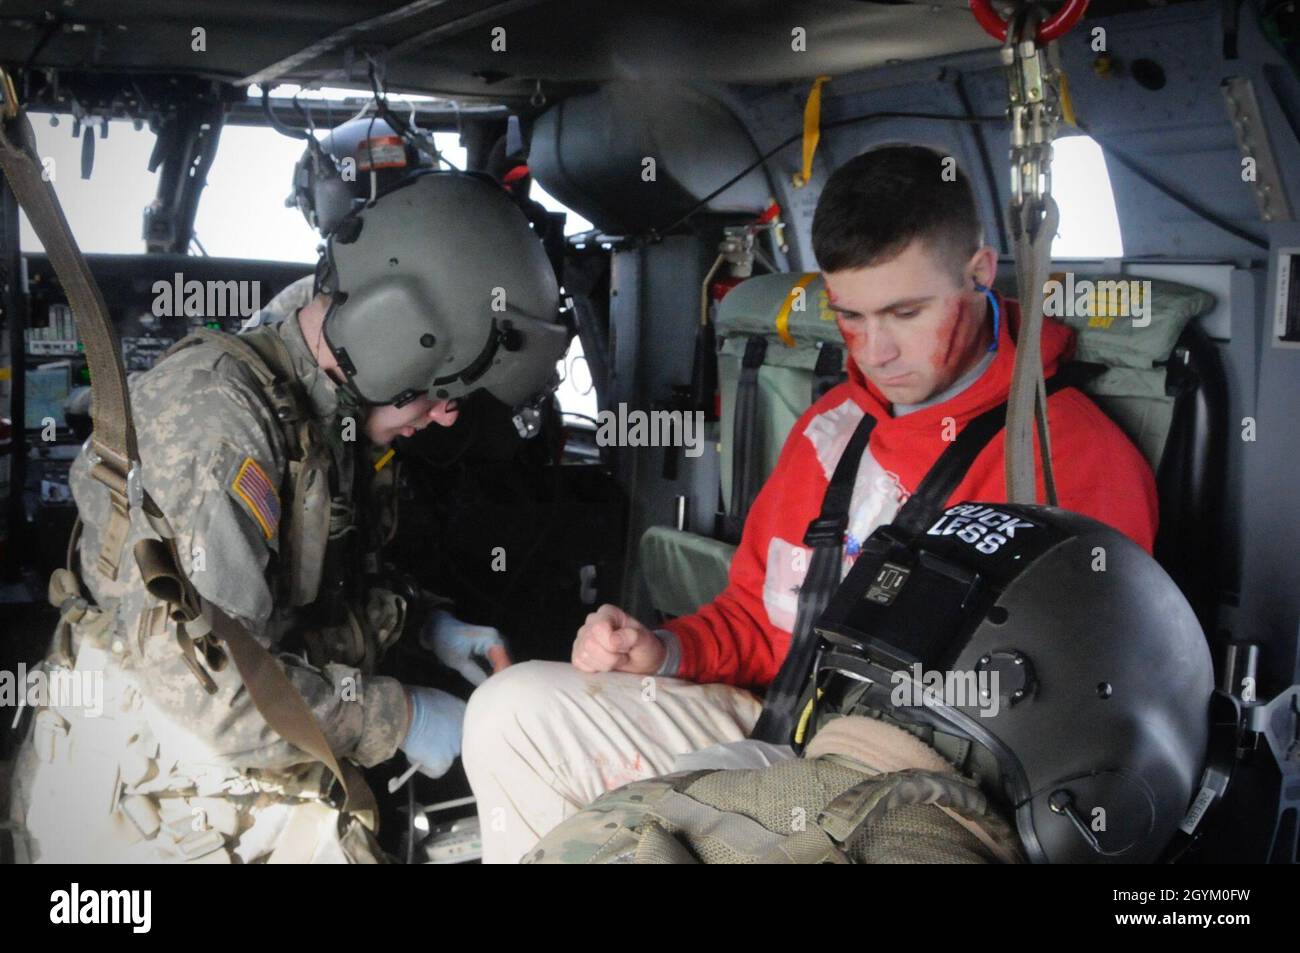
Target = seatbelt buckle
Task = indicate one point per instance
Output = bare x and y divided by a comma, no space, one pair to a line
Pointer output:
134,492
825,531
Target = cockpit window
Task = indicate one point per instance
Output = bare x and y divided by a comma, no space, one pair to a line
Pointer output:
574,223
1081,186
106,212
241,213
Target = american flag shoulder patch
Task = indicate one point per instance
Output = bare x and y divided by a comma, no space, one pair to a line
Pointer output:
254,487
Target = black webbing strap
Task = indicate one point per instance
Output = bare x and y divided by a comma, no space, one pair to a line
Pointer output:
745,476
826,533
923,506
828,371
826,537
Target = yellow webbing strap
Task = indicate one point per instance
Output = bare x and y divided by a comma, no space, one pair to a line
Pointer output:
1067,104
801,729
812,131
783,316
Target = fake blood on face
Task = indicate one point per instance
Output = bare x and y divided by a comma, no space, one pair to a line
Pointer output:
854,334
947,355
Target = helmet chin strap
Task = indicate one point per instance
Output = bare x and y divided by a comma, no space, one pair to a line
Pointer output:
323,273
353,398
346,391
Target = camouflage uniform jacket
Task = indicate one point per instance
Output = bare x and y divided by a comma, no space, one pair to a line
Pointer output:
214,460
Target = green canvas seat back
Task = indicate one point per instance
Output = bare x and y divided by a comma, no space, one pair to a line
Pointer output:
790,312
1134,349
1131,390
682,571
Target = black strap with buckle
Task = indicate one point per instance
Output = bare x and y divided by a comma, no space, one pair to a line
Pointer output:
826,536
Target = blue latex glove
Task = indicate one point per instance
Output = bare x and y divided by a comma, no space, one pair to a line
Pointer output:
433,740
460,646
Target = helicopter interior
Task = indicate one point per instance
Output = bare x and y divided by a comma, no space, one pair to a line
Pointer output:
1178,98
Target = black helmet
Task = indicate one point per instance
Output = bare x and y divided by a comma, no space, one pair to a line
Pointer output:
440,286
355,163
1056,647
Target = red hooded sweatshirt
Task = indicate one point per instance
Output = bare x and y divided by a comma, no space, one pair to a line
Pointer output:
742,636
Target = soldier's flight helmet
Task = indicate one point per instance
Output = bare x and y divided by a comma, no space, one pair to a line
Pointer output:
354,163
1053,645
440,286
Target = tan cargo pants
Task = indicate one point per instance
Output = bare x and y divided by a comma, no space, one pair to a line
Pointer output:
543,740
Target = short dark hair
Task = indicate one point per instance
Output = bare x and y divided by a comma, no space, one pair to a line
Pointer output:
878,203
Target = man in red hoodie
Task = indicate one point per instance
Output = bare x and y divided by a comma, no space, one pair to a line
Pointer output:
930,348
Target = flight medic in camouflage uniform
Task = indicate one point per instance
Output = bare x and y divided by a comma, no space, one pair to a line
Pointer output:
181,765
213,457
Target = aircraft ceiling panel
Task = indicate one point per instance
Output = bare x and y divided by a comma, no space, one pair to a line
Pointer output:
445,46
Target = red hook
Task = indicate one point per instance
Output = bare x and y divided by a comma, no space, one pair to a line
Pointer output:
1053,28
